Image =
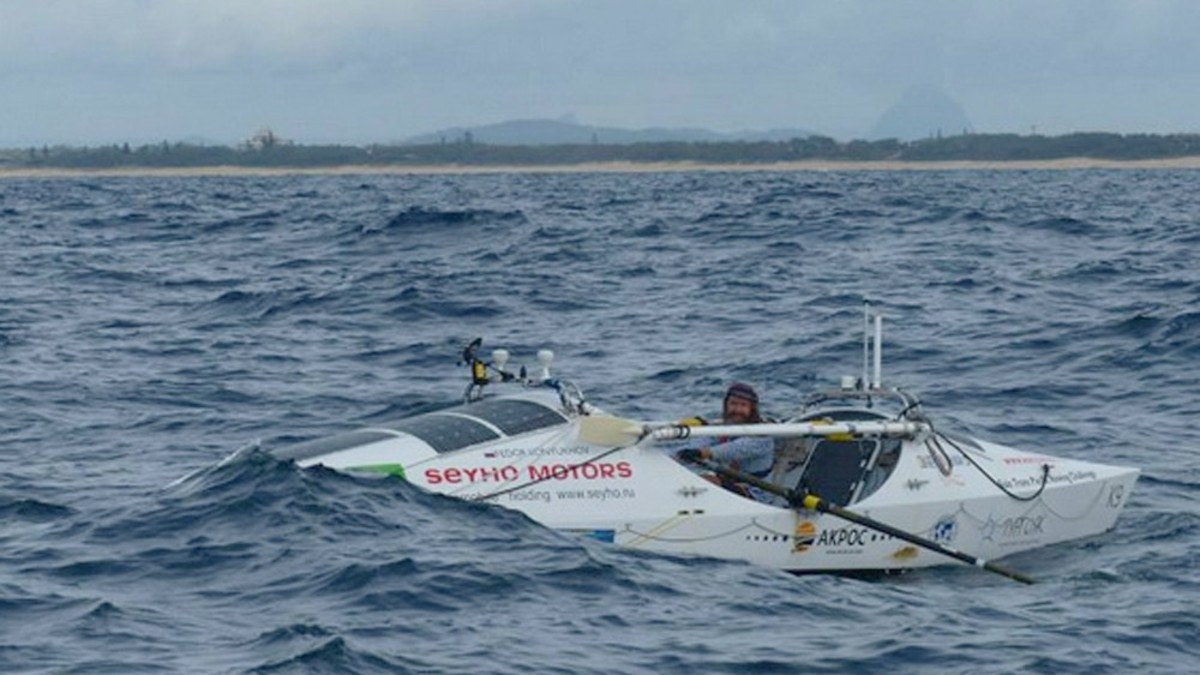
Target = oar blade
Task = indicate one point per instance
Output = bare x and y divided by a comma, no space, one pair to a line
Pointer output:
606,430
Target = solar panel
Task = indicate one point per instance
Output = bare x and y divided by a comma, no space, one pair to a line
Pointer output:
514,416
445,432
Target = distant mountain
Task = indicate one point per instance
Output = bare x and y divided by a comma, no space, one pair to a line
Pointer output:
559,132
923,111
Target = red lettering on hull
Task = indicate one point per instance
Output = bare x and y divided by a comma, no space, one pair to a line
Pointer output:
454,475
589,471
474,474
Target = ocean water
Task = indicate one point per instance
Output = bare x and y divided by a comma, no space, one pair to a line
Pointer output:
156,327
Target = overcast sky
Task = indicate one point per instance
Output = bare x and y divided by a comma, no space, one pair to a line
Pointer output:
358,71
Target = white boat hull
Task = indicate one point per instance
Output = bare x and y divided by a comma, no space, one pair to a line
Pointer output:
639,497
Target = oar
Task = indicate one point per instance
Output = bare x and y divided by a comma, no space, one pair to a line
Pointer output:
813,502
606,430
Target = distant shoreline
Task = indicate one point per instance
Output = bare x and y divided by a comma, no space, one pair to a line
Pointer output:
612,167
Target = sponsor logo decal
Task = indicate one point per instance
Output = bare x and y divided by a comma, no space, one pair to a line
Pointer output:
515,453
846,540
590,471
805,535
455,475
1116,495
945,530
1011,530
1035,481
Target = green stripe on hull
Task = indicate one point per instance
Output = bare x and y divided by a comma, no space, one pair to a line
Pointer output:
388,469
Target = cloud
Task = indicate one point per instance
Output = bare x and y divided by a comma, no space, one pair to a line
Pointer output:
386,69
208,35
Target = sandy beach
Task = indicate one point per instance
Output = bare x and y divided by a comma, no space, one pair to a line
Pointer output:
610,167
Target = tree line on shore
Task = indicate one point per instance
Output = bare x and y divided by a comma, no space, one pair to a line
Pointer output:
467,151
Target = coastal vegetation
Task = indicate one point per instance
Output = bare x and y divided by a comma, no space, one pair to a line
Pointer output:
267,151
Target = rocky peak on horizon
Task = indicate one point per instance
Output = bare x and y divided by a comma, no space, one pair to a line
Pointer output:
923,111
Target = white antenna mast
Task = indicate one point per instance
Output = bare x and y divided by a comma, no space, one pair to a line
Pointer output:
865,381
878,351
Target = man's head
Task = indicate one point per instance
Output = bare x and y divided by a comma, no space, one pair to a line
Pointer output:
741,404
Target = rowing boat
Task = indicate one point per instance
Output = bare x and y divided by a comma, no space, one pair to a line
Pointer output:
862,481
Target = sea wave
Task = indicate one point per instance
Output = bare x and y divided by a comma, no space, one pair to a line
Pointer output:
161,335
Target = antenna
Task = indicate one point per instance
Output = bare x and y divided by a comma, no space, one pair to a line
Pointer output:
878,351
867,381
866,343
